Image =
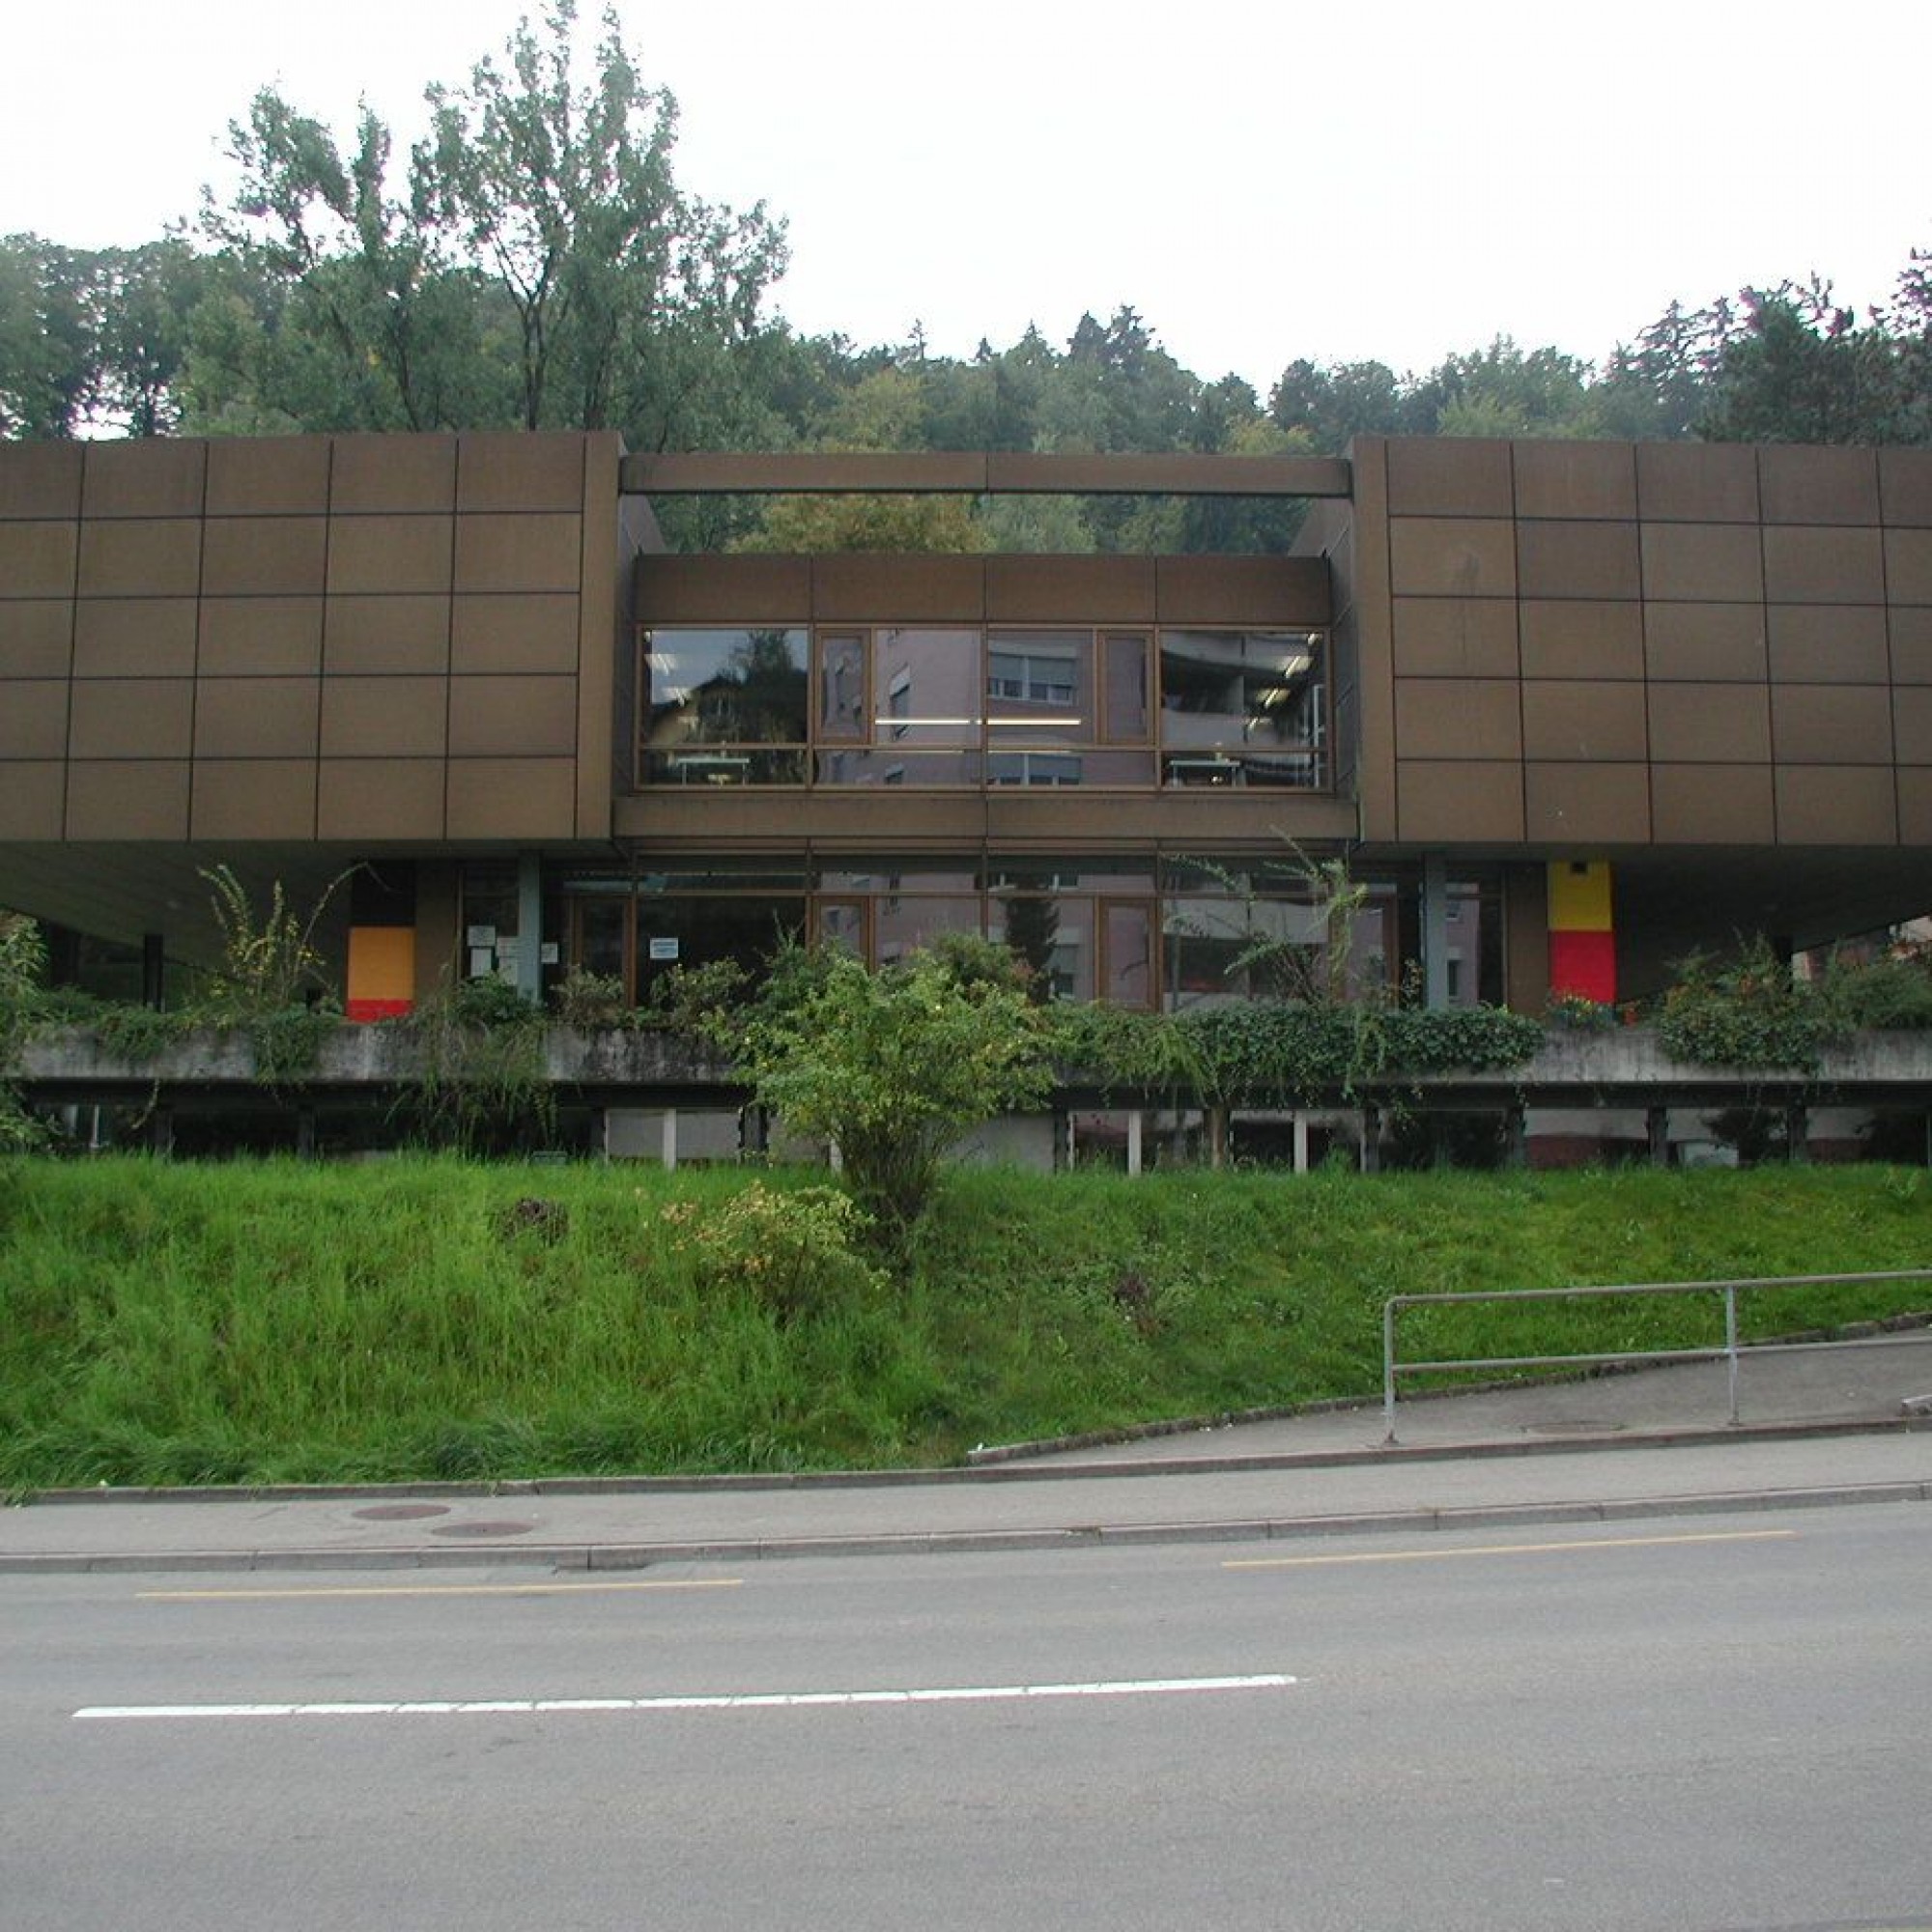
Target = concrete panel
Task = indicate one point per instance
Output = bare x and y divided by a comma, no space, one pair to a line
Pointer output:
33,801
1463,717
260,637
1449,477
1586,805
1555,477
513,470
1703,642
1911,644
1822,643
253,798
256,717
1451,557
1702,563
1811,564
369,554
1070,590
1830,725
36,637
1578,559
1912,724
1904,486
860,589
1581,639
39,480
1575,720
605,646
1696,483
144,477
519,553
267,475
263,556
1710,804
377,474
1907,566
384,717
514,632
140,558
131,718
512,798
38,559
1709,724
127,799
1915,807
1818,486
512,717
1292,591
367,801
1455,636
135,636
723,590
383,635
1826,804
33,720
1468,803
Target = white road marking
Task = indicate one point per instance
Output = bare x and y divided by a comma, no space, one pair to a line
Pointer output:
755,1700
434,1590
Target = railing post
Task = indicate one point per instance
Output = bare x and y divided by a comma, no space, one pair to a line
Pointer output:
1388,1369
1731,1344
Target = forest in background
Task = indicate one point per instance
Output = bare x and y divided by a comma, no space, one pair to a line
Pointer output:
533,262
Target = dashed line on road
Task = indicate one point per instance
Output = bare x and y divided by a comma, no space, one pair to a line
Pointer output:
754,1701
1507,1549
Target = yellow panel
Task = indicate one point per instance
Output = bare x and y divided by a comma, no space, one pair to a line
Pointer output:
1580,897
381,962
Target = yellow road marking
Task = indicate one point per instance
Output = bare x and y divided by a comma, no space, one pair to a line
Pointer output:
1506,1550
434,1590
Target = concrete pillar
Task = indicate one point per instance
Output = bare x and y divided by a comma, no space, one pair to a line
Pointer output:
1656,1123
1798,1132
1133,1140
529,926
1434,930
154,971
668,1143
1372,1135
1299,1128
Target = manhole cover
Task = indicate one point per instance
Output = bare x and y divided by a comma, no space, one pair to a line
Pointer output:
402,1512
483,1529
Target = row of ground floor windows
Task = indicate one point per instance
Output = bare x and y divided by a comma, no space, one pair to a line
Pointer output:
1125,936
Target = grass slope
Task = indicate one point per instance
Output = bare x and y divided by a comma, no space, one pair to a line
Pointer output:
179,1324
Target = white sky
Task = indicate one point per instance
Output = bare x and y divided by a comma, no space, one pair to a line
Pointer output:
1349,180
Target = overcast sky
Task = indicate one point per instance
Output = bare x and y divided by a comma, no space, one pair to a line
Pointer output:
1262,181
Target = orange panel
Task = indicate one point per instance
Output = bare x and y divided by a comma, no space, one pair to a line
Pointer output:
382,971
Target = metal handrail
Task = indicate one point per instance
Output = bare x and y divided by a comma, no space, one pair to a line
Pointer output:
1731,1350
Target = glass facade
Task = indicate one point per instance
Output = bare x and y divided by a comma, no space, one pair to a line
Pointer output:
1171,934
955,706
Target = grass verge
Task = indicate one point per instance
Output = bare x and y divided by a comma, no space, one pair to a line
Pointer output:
277,1322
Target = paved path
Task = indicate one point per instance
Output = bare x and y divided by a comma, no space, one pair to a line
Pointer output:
1817,1429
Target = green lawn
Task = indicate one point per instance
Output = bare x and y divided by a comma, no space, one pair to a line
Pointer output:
252,1323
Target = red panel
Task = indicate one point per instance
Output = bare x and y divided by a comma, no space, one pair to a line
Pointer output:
377,1010
1586,964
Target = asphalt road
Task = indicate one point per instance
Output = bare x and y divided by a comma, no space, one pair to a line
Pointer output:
1686,1725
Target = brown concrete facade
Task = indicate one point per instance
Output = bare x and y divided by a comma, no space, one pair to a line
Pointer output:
1607,646
368,641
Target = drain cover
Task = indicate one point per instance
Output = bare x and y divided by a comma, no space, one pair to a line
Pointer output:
483,1529
400,1512
1584,1425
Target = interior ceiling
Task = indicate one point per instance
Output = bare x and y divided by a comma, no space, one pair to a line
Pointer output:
1809,897
121,892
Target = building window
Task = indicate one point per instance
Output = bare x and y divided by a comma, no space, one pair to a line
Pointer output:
1243,708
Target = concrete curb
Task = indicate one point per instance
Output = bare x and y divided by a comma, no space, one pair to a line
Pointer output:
976,1474
571,1558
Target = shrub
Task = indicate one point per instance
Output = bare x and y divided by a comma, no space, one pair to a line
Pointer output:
893,1066
794,1252
1744,1012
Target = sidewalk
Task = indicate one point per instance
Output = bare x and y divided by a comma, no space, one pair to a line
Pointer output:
1816,1428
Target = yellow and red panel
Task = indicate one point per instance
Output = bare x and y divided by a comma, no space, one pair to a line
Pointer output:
1582,931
